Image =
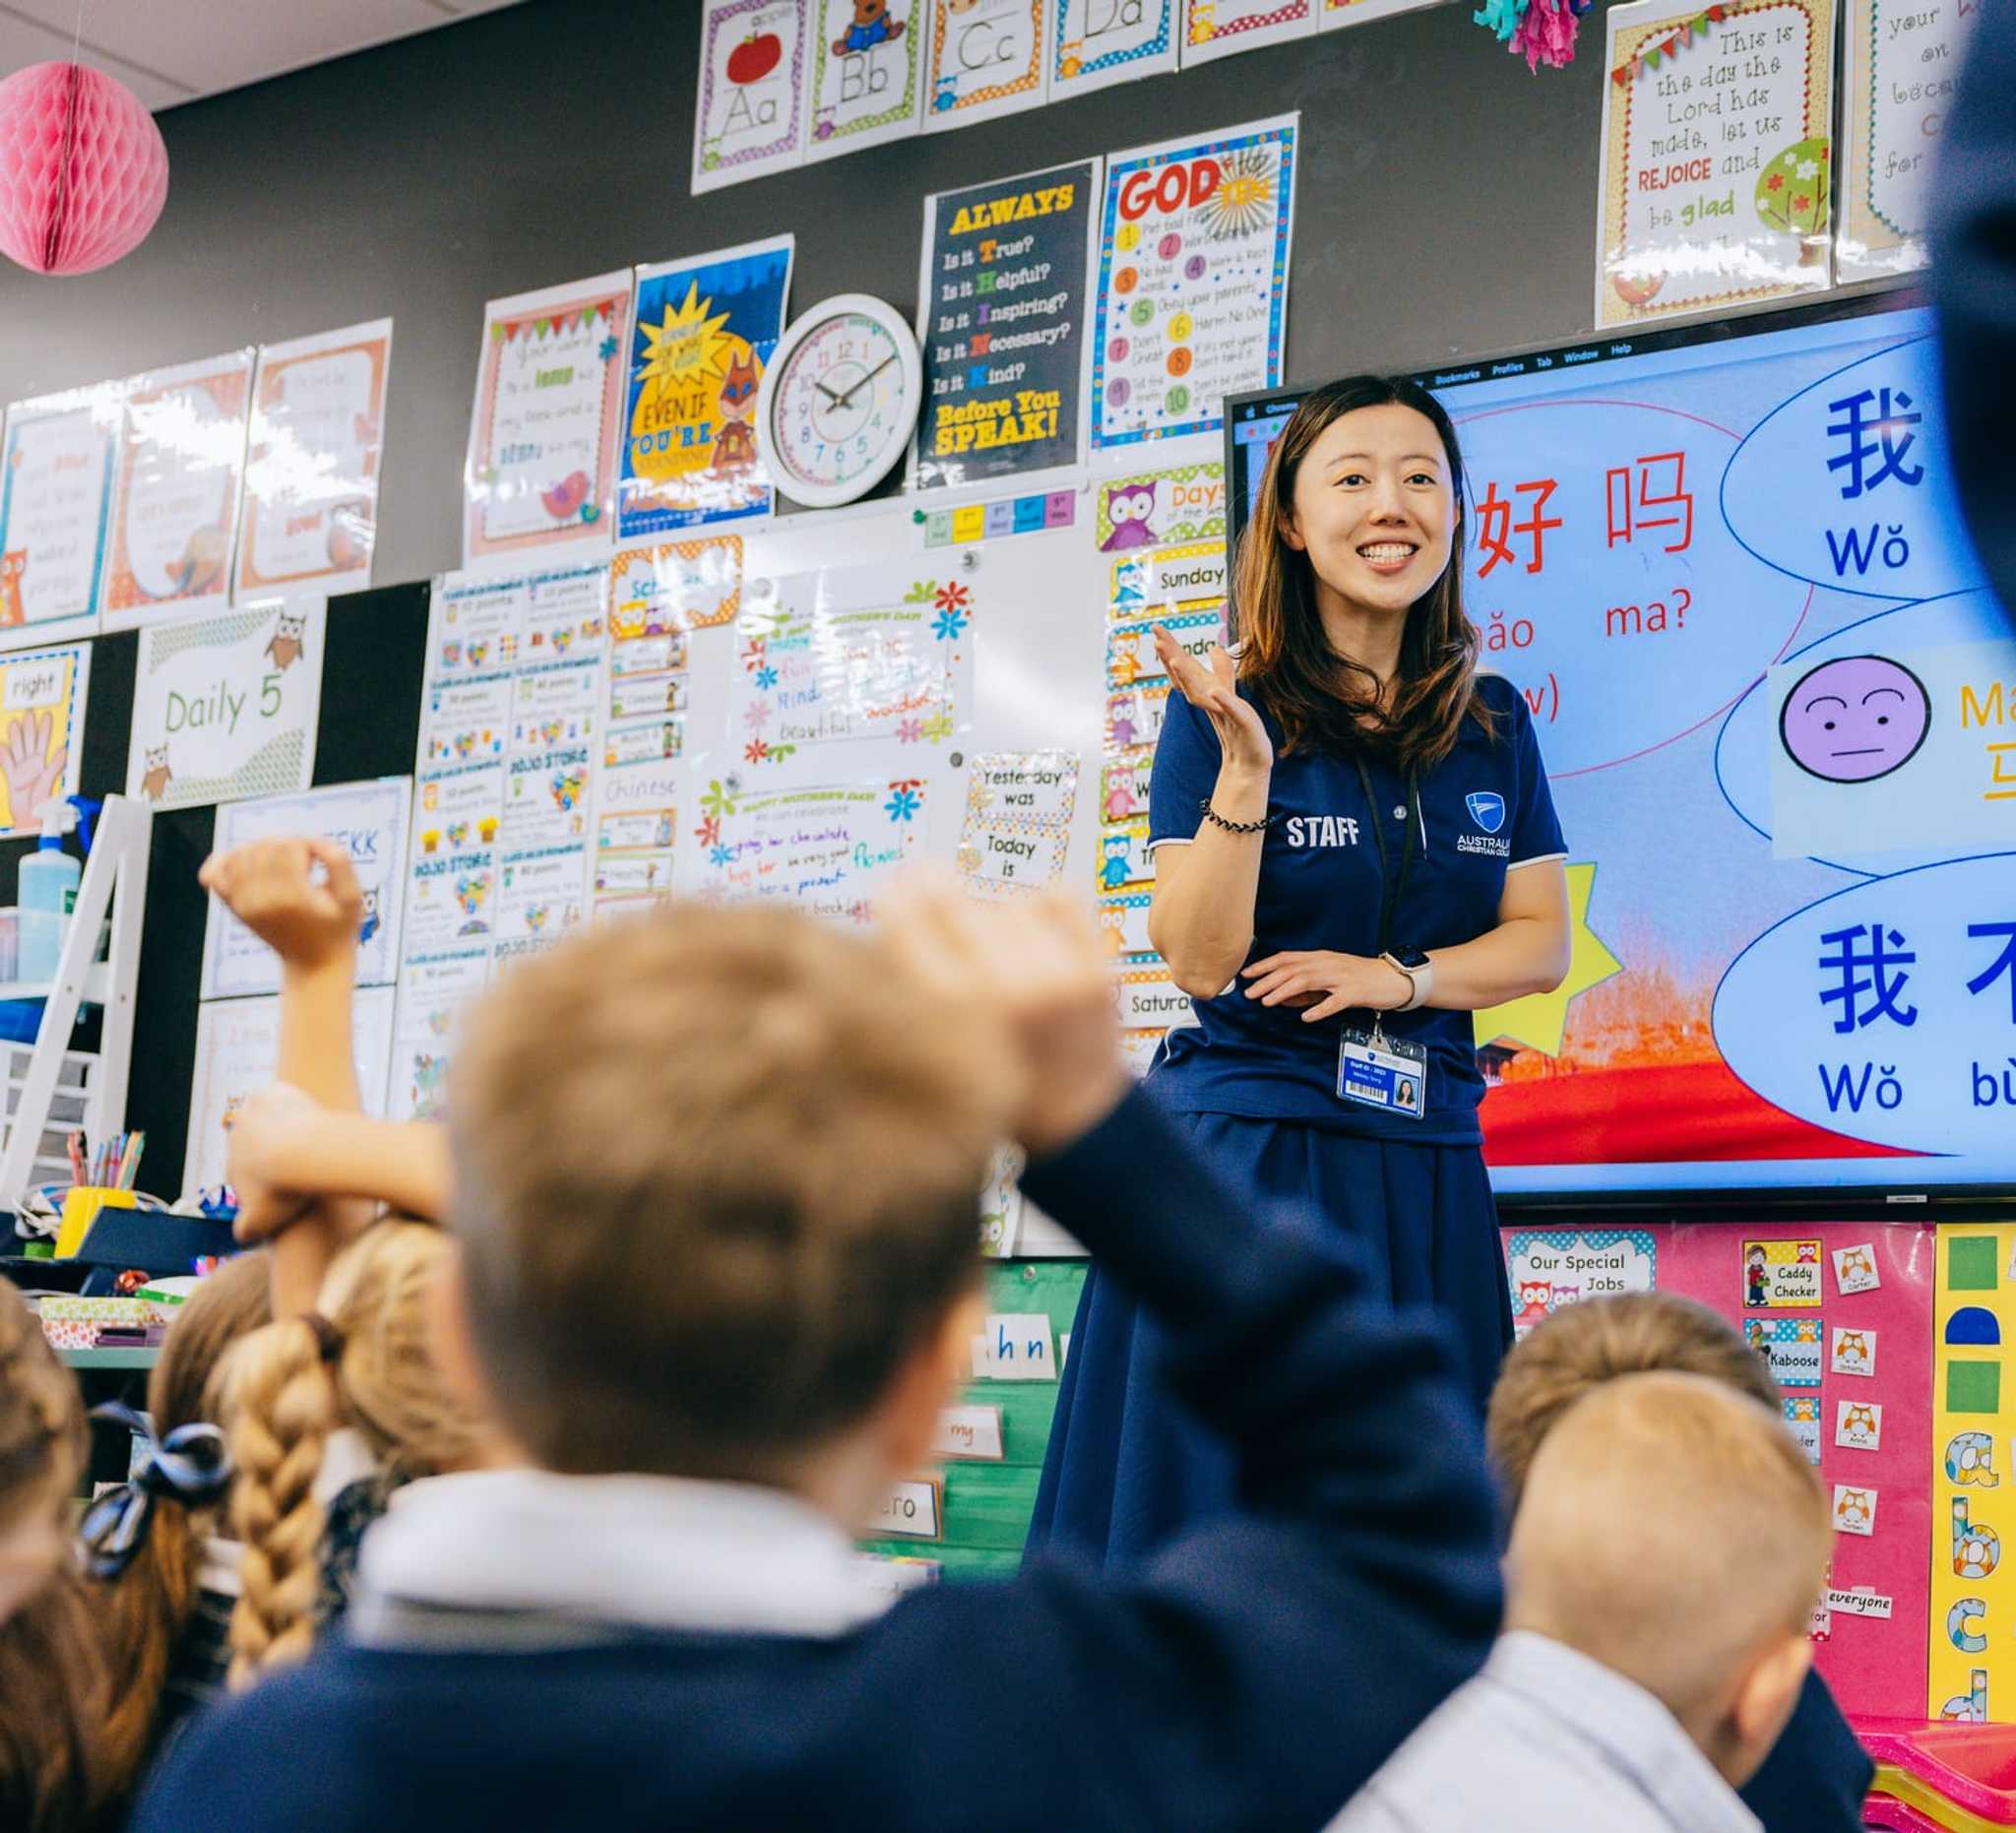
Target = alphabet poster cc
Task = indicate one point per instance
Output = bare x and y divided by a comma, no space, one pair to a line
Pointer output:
1192,300
1717,165
225,706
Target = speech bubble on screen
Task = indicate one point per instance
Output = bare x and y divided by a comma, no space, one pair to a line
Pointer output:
1605,584
1928,808
1848,484
1876,1013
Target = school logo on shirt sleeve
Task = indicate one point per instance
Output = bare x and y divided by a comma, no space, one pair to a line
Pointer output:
1487,809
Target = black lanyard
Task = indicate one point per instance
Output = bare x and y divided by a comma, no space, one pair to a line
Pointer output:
1393,886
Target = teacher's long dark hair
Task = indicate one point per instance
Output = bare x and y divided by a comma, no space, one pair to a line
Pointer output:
1317,696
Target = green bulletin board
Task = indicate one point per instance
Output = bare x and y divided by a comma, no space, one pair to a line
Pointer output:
985,1506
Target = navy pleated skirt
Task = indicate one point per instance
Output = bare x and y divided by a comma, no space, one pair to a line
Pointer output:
1128,1464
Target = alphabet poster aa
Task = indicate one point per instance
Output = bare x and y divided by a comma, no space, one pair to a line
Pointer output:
225,706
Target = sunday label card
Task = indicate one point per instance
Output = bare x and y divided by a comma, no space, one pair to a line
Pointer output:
750,118
225,706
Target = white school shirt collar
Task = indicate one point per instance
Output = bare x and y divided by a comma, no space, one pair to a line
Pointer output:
654,1553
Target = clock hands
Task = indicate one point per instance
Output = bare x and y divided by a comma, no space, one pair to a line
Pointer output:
838,401
866,379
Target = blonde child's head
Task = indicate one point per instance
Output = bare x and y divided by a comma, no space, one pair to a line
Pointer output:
361,1359
1671,1530
55,1769
1582,1346
144,1602
716,1179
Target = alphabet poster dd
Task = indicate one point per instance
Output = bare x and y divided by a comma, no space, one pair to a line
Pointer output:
1097,42
1717,166
225,706
1192,280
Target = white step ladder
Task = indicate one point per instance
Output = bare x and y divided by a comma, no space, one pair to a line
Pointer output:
51,1088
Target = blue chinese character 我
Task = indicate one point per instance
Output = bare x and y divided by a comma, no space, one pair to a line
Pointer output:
1867,989
2004,963
1874,438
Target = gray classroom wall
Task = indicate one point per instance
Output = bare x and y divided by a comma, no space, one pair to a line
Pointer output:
1446,206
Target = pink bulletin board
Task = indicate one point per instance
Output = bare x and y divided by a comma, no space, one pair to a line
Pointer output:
1875,1663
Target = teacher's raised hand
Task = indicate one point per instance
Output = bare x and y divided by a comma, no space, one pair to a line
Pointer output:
1214,691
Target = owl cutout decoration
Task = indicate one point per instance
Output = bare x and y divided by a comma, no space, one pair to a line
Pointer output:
155,784
1128,507
288,644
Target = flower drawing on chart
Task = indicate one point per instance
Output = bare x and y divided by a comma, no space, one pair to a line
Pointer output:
708,833
1244,202
756,714
766,677
756,750
911,730
1776,182
717,801
921,591
938,727
1809,169
948,625
903,801
953,597
606,349
718,854
752,657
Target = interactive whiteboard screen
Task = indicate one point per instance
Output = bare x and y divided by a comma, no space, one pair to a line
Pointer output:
1726,568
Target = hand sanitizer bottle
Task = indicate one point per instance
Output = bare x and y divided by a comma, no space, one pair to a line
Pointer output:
46,894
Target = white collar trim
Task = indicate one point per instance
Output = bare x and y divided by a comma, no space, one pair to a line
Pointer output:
658,1552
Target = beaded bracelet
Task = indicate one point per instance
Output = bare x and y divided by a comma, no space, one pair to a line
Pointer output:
1212,815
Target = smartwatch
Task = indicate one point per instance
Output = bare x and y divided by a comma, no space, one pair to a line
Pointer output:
1419,969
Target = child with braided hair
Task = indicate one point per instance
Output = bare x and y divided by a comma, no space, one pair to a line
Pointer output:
56,1774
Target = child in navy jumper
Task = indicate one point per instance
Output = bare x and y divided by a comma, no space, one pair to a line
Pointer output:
714,1180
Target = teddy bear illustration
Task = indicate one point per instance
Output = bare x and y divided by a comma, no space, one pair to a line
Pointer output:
872,25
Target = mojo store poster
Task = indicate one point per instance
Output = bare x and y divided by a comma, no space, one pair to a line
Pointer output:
1003,288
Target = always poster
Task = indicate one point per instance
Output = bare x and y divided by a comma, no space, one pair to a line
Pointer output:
1192,280
868,82
1004,291
55,506
181,461
1098,42
369,820
311,471
542,436
42,697
226,705
750,115
1717,165
237,1053
704,329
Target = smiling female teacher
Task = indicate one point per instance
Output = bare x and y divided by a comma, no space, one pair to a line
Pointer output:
1355,851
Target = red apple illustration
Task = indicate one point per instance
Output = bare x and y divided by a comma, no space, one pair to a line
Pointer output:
755,57
566,497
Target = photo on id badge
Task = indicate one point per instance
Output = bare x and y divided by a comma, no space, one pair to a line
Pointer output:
1382,1071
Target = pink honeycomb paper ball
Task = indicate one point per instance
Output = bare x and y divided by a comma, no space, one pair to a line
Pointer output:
84,171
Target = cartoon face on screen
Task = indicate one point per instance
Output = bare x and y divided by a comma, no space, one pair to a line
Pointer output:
1854,719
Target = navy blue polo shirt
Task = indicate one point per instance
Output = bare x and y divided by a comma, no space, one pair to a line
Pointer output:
1484,810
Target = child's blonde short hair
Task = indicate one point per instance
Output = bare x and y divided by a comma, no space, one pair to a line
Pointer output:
717,1175
1583,1346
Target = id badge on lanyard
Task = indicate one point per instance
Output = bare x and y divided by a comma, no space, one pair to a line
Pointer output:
1372,1068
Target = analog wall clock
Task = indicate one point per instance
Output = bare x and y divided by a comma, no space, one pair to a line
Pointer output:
840,399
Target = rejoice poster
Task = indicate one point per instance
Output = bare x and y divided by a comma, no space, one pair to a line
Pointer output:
704,331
